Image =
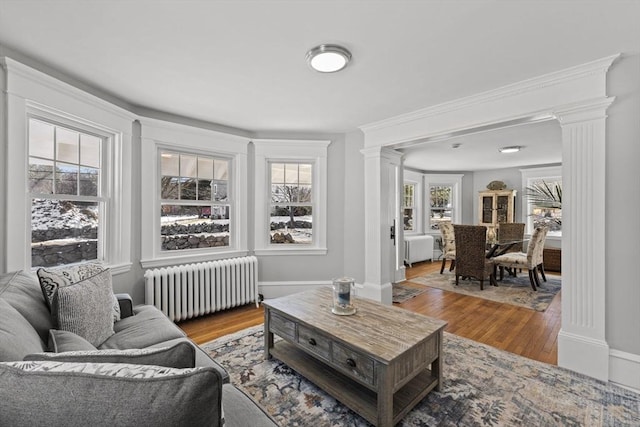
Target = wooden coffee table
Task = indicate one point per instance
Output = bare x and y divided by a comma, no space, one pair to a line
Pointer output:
380,362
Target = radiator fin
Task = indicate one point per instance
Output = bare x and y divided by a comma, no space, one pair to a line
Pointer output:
192,290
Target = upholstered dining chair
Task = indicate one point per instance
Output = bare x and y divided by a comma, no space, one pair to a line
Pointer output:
448,245
532,259
471,260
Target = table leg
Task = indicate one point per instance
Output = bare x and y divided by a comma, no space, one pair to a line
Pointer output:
385,397
436,366
268,335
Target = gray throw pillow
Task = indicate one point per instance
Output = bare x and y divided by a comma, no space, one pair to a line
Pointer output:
60,341
84,308
74,394
53,279
181,355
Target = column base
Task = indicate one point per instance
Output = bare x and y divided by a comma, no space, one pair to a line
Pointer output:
585,355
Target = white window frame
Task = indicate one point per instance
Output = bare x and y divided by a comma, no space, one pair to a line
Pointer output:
453,180
157,135
30,92
416,179
269,151
528,177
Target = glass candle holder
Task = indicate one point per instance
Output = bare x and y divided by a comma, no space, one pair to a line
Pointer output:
342,296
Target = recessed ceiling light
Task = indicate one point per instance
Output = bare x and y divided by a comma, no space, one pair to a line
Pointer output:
328,58
511,149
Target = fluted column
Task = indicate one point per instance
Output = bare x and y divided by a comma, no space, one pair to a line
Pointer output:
582,344
381,166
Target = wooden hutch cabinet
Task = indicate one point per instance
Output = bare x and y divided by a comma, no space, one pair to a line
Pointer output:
496,206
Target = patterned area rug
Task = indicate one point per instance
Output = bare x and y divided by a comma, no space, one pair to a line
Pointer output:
482,386
510,290
402,293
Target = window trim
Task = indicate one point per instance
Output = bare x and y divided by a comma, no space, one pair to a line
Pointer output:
29,91
528,175
269,151
157,135
453,180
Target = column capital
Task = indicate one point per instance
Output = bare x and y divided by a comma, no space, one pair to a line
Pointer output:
593,109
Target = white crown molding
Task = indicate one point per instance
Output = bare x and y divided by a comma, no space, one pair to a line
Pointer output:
596,67
17,69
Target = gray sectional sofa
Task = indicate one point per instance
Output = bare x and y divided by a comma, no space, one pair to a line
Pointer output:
171,381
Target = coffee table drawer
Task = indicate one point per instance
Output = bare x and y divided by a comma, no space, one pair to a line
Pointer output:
282,326
310,339
355,364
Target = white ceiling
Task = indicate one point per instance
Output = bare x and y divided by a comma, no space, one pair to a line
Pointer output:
541,145
242,63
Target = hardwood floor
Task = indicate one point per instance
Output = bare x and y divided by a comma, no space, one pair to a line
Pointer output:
518,330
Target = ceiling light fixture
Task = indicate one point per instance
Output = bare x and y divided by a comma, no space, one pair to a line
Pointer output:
511,149
328,58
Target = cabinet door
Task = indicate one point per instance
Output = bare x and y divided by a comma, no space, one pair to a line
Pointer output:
502,209
487,209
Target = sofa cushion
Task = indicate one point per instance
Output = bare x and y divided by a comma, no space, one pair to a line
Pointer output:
74,394
201,357
85,308
147,327
53,279
17,336
60,341
22,291
180,355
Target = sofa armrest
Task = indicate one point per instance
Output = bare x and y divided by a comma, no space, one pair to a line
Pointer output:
126,305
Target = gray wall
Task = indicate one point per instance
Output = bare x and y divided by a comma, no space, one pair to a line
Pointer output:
622,205
354,230
303,268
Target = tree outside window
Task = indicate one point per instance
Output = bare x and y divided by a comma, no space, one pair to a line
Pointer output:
194,201
291,206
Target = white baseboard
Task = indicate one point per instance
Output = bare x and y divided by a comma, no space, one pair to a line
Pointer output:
583,354
624,369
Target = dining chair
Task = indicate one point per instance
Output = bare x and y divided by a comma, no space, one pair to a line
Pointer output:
448,245
511,232
532,259
471,260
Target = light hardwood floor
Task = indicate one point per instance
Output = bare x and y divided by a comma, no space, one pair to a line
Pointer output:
518,330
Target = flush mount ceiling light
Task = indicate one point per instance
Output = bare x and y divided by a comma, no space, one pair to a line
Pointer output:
511,149
328,58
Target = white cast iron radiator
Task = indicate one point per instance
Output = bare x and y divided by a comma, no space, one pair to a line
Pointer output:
191,290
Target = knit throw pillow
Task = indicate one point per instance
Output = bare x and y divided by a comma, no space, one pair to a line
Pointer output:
85,308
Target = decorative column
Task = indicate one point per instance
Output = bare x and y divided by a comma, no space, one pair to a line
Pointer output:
381,167
582,344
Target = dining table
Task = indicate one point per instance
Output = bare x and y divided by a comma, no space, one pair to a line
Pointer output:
501,248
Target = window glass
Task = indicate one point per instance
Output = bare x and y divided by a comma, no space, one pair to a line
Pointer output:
408,207
545,203
66,198
440,205
291,215
194,208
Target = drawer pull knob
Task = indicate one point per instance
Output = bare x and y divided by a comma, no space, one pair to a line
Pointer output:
312,341
351,362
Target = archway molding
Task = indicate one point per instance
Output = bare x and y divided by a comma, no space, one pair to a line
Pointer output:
576,97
